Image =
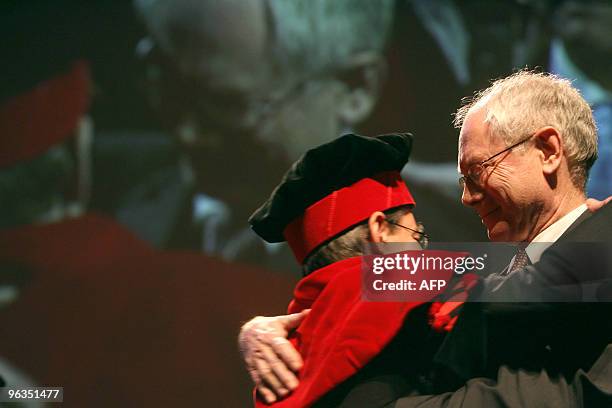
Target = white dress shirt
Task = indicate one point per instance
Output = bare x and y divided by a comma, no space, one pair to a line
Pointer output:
551,234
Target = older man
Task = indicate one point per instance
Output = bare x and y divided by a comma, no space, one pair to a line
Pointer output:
525,149
255,83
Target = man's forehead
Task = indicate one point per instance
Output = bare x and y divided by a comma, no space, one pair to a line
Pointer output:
215,24
235,25
219,38
409,218
475,143
472,129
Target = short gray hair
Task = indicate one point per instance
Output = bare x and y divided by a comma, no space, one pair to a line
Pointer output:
525,101
306,35
314,35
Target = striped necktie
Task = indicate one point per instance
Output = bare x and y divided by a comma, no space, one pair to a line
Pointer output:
521,260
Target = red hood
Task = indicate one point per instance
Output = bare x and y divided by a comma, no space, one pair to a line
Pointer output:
342,333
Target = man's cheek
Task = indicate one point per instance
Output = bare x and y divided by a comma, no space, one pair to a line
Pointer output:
305,126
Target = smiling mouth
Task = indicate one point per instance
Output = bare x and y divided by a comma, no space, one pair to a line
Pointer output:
490,212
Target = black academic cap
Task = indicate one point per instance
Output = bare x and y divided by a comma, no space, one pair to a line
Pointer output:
328,168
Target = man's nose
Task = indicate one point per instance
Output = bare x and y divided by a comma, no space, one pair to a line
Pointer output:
471,195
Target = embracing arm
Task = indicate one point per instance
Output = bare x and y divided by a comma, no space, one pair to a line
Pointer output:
518,388
271,359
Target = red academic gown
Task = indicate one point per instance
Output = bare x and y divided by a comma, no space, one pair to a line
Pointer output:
342,333
117,323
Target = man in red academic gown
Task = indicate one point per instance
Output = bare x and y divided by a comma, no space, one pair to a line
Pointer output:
334,200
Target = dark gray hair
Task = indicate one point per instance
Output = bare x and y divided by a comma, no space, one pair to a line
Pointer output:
349,244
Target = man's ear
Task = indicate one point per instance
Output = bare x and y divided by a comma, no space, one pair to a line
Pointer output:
378,226
548,142
362,81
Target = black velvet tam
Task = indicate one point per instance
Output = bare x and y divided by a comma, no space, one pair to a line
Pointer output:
325,169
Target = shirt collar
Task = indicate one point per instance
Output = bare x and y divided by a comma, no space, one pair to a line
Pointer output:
552,233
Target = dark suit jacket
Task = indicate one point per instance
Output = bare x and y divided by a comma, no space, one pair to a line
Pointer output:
536,354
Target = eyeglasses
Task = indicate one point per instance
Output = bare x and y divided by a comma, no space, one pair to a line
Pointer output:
474,172
217,104
419,233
